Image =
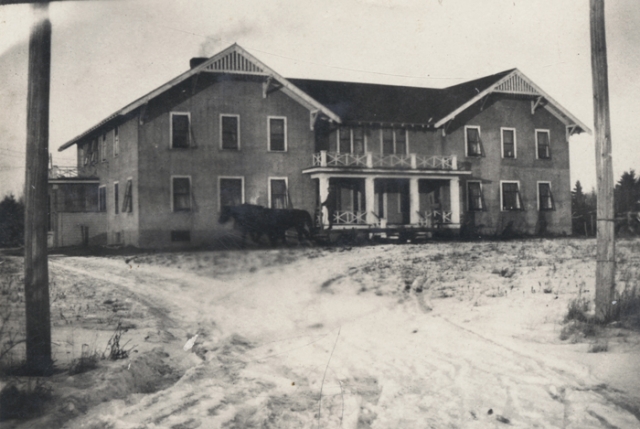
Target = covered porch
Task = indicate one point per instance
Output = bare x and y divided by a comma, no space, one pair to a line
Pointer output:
387,201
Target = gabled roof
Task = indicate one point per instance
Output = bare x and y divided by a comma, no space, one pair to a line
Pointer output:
233,60
364,102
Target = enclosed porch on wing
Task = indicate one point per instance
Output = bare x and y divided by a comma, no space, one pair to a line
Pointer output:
391,201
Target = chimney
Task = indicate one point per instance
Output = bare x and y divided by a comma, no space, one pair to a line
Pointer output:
196,61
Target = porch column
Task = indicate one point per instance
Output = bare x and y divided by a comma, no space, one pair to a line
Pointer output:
454,186
414,201
324,194
369,200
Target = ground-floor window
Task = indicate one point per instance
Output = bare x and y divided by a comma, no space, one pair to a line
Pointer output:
474,196
545,197
510,196
181,193
102,198
116,198
278,194
127,202
231,191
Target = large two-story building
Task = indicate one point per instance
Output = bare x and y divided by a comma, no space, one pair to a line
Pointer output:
485,156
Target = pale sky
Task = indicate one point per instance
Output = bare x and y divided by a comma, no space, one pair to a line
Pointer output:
108,53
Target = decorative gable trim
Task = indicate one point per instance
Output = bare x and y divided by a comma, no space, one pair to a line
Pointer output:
234,62
517,83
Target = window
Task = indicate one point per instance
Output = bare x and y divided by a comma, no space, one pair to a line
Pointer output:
510,196
230,132
178,236
231,191
394,142
102,198
94,151
351,140
103,148
127,203
180,128
181,194
278,195
474,196
344,143
115,198
473,143
278,134
508,142
543,149
545,197
116,142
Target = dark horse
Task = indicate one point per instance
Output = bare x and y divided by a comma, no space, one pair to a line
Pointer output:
257,220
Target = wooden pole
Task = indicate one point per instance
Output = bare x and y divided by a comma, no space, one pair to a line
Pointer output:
605,266
36,270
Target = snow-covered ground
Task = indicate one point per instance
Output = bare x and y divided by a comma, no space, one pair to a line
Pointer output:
438,335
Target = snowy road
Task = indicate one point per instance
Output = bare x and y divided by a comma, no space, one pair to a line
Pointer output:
304,345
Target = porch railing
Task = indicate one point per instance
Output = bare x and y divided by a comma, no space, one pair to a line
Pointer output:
57,172
434,217
349,217
370,160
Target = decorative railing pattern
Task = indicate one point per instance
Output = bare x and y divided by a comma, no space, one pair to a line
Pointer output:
370,160
56,172
393,161
349,217
434,217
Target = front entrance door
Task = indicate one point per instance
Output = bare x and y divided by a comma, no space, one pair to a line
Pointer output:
393,200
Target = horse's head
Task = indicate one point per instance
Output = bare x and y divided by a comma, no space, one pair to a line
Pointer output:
225,214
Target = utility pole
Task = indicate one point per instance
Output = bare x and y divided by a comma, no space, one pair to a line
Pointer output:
36,269
605,265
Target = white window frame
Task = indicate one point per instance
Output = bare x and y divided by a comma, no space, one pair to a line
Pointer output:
188,114
538,194
350,140
269,179
220,178
466,141
395,149
105,198
116,142
190,193
483,208
229,115
502,195
515,142
541,130
269,118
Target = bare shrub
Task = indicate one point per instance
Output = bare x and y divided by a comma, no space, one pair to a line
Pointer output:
88,361
115,350
24,402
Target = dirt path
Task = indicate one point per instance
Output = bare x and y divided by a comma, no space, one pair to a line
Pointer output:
303,345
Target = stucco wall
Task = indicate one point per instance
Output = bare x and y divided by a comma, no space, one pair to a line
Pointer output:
205,162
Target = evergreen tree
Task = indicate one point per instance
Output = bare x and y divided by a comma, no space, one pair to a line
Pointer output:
578,210
11,222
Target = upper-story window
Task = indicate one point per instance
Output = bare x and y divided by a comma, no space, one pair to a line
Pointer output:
543,148
94,151
116,142
277,134
180,130
510,196
473,142
351,140
508,142
545,197
230,132
103,148
394,141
